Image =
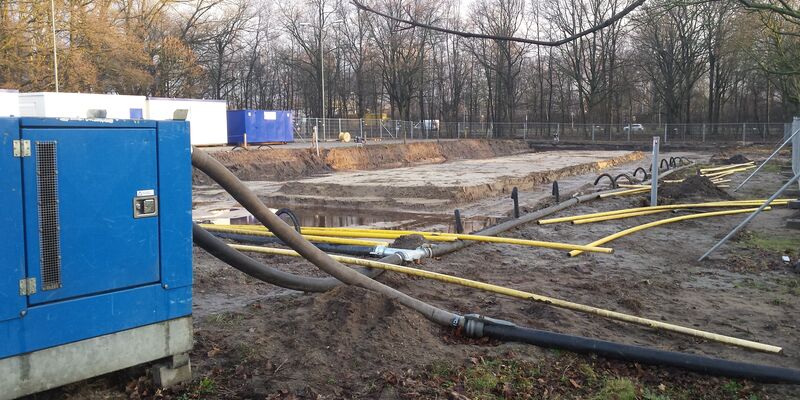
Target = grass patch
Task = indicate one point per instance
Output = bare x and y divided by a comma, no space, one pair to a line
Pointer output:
225,319
617,389
563,376
783,244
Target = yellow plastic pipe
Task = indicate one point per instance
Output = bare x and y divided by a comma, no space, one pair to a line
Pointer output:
476,238
630,186
662,222
724,167
725,173
444,237
625,192
353,234
716,204
311,238
487,287
616,216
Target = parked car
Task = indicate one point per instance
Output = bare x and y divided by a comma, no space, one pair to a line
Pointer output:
633,128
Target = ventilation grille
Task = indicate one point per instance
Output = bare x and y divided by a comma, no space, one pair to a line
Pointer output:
49,228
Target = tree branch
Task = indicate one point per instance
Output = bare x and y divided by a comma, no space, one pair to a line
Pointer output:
614,18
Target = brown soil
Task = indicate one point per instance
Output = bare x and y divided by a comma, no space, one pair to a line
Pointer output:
694,187
257,341
326,193
282,164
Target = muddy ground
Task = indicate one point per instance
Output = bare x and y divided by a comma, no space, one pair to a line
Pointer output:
254,340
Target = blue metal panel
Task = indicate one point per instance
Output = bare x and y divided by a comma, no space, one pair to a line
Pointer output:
258,127
12,250
175,182
69,321
30,122
99,173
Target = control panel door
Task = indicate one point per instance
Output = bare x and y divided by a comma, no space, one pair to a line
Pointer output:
91,210
13,282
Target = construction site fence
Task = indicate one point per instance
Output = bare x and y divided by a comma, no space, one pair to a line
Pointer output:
376,129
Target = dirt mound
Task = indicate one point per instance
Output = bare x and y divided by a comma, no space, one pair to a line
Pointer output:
410,242
268,164
695,187
274,164
346,336
737,159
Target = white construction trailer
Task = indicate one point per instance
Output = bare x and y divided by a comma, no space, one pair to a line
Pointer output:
9,103
77,105
208,119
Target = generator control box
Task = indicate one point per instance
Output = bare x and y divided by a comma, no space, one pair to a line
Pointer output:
95,248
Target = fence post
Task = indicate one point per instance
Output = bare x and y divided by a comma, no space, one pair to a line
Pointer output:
665,133
592,132
704,133
558,133
361,128
340,127
525,129
629,131
743,133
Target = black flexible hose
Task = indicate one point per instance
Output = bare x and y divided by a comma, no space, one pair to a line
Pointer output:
644,355
348,249
219,249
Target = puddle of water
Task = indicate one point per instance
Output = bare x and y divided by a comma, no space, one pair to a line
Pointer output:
378,220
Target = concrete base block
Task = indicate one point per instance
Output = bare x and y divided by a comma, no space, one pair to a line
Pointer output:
173,372
49,368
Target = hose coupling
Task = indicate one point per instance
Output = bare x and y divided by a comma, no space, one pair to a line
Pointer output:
405,254
474,324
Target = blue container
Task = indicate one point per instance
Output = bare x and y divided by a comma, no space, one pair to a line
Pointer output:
260,126
96,229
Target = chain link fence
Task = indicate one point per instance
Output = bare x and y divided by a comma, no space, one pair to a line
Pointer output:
377,129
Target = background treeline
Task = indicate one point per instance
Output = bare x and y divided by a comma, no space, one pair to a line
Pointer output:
710,61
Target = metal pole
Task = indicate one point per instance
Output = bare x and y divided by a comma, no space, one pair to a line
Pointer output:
665,133
789,139
592,132
322,78
704,133
55,42
629,131
743,134
654,179
751,216
525,131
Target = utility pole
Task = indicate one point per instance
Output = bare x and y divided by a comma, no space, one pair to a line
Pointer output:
321,39
55,41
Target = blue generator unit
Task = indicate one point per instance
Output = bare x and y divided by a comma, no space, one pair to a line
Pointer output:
259,126
95,250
